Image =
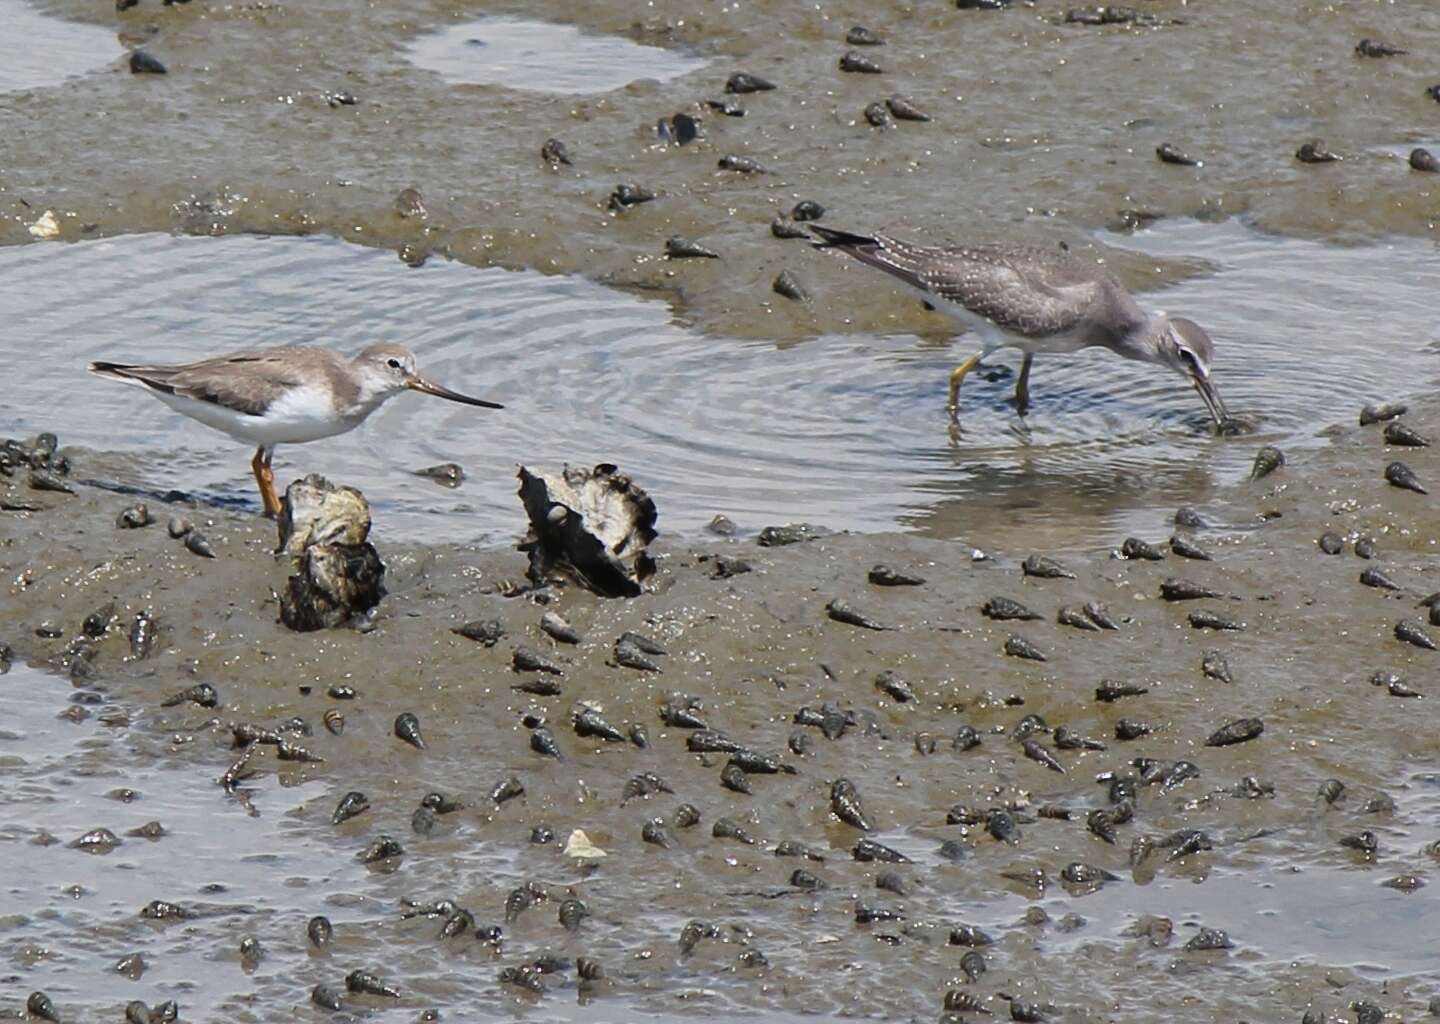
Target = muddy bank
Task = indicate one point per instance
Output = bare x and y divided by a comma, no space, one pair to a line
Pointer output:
1038,127
696,371
847,429
1308,880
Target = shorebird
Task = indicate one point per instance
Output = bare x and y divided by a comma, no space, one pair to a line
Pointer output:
1036,300
288,394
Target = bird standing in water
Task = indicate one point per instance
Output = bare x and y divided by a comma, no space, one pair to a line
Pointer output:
1036,300
289,394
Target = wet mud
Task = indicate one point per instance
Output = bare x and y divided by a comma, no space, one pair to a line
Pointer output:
787,765
1090,716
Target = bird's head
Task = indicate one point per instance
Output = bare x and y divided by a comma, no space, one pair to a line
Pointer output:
1184,346
387,370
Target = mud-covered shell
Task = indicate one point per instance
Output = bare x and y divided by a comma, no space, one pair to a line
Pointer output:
601,539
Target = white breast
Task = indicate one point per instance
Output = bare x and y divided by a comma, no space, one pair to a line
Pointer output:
299,415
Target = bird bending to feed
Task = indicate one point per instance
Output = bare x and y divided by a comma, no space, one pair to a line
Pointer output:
288,394
1037,300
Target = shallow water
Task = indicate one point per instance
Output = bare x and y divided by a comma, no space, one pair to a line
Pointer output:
848,431
68,915
535,55
720,396
40,51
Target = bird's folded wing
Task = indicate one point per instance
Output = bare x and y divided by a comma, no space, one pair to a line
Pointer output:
1031,300
247,382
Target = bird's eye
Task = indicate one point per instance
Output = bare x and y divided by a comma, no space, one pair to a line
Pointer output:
394,364
1190,359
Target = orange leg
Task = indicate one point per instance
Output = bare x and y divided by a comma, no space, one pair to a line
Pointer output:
265,479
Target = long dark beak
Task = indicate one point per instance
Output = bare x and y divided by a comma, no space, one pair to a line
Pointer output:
1211,398
431,388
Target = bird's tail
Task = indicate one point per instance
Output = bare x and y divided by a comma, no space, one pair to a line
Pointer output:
115,371
845,241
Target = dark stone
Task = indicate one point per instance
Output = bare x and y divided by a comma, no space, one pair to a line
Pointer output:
141,63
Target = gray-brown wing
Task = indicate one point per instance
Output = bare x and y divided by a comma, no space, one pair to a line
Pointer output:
1021,289
244,381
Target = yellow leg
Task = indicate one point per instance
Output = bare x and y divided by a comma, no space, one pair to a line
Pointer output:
1022,386
956,376
265,479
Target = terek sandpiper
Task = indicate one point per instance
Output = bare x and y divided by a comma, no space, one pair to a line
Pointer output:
288,394
1036,300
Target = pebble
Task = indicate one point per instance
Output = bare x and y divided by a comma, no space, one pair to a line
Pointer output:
1171,154
1399,434
905,110
785,284
744,82
1314,152
447,474
555,152
685,128
1376,412
729,106
1402,476
1045,568
1375,48
318,931
887,576
487,632
1267,460
742,164
807,209
1134,548
351,804
1372,577
857,63
1186,548
1413,633
625,196
1239,731
1189,518
1214,665
45,480
142,63
555,627
134,518
40,1005
1213,620
840,611
409,203
629,654
1019,647
678,247
407,728
1107,14
1423,160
